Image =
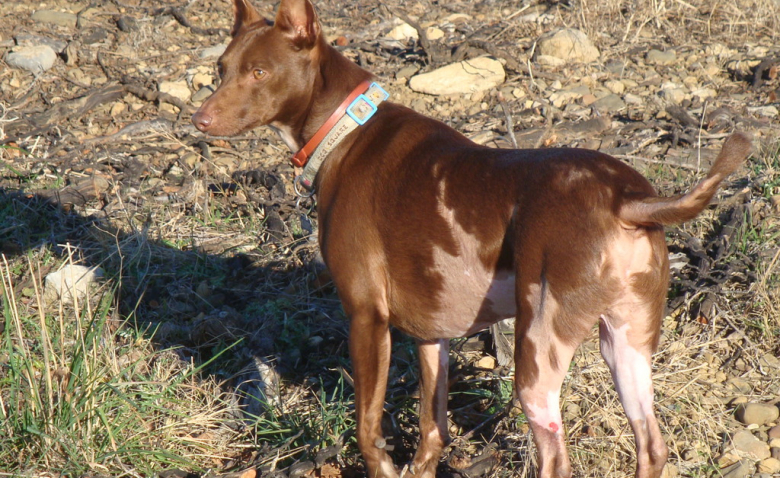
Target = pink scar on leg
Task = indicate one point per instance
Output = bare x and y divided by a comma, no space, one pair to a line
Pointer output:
553,426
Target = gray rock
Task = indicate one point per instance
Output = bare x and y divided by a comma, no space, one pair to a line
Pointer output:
757,413
35,59
213,51
477,74
203,93
748,445
567,44
740,469
658,57
407,71
126,23
609,104
63,19
29,39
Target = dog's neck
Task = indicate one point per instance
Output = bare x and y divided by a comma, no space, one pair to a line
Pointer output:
336,76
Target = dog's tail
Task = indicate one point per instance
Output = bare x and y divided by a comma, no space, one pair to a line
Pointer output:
677,209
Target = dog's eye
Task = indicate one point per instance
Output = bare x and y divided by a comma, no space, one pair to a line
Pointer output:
258,73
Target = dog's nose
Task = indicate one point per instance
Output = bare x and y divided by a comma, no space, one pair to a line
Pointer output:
201,120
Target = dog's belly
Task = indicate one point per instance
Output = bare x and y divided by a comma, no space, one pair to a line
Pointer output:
474,301
468,299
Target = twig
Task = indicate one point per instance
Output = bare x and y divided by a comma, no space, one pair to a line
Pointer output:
510,125
422,36
178,14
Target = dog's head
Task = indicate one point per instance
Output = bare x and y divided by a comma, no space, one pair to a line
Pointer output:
267,72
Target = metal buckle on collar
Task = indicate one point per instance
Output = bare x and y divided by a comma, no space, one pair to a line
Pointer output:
302,187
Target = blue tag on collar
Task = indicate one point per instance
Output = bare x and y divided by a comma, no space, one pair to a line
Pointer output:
364,106
361,109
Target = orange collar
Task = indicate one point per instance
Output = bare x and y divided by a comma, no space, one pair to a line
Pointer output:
302,157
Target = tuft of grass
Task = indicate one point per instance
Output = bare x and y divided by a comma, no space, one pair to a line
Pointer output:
80,393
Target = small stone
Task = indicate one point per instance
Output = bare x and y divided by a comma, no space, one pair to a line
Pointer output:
774,432
177,89
741,469
615,86
549,60
117,109
775,450
757,413
769,360
203,93
728,459
658,57
589,99
468,76
719,50
633,99
63,19
487,362
769,465
213,51
609,104
71,282
673,95
766,111
191,160
407,72
199,80
561,98
35,59
748,445
95,36
567,44
434,33
403,32
126,23
704,93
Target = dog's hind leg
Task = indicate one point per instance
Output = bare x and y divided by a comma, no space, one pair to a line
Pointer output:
627,342
434,364
541,362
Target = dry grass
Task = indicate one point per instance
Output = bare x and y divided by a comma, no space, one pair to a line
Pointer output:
680,21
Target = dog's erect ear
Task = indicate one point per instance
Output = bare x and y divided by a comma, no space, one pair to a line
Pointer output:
245,15
296,18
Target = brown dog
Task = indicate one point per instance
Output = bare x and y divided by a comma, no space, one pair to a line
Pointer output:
440,237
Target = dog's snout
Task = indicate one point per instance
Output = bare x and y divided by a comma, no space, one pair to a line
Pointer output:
202,120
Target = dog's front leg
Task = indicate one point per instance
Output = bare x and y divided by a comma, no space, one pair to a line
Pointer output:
434,364
369,347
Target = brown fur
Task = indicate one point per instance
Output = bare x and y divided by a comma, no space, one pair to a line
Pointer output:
439,237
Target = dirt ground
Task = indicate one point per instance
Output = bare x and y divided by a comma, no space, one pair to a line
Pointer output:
211,256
